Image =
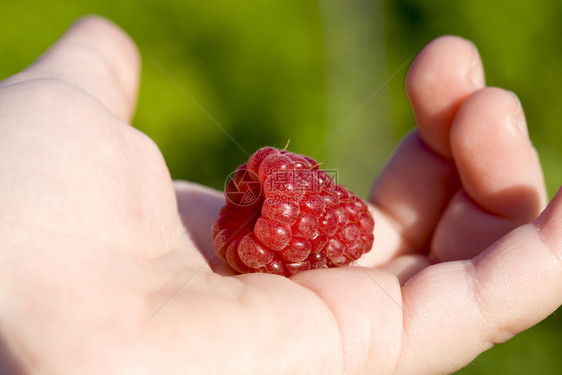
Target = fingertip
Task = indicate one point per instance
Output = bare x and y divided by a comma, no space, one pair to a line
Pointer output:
448,54
497,164
485,107
442,76
518,118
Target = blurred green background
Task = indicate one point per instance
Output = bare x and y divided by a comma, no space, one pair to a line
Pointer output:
328,75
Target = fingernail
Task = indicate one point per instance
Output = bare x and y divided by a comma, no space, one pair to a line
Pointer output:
517,119
472,76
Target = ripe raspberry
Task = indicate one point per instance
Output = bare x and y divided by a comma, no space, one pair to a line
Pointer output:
284,215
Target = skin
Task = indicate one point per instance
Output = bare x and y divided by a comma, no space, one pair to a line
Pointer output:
100,272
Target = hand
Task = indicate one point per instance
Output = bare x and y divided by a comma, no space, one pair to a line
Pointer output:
100,273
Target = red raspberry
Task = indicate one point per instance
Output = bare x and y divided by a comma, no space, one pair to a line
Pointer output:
284,215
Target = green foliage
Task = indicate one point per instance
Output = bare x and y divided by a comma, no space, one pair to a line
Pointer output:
328,75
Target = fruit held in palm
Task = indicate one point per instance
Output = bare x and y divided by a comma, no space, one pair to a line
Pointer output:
284,215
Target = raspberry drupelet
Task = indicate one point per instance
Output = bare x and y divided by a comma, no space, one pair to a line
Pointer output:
284,215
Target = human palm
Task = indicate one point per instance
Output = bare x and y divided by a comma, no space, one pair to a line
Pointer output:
102,273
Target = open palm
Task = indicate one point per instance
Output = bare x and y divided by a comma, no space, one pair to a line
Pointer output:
100,272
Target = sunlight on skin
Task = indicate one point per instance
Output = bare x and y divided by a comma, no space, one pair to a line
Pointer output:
107,265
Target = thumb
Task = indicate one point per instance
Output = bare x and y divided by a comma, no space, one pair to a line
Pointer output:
95,56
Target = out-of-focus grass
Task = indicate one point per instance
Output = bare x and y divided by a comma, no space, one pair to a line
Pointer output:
329,75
